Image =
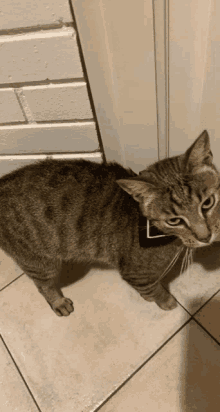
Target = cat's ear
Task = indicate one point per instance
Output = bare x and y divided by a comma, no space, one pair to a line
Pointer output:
138,188
199,153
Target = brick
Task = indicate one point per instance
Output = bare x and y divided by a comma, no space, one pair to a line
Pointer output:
7,164
32,13
10,110
59,102
48,138
38,56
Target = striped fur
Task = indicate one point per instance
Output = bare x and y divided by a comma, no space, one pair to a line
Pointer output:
179,188
61,210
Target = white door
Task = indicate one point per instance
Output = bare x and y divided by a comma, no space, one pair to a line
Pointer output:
194,56
127,45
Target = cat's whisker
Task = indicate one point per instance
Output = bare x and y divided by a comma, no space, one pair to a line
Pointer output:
191,258
187,261
172,263
192,255
169,267
184,262
181,270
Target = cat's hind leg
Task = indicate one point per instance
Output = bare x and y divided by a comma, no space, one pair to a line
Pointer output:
45,274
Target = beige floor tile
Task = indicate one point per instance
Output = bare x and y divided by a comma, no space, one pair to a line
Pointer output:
209,316
14,396
8,270
74,363
183,377
196,285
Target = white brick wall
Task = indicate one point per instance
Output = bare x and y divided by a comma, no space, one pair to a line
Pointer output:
59,101
44,102
49,54
28,13
10,110
48,138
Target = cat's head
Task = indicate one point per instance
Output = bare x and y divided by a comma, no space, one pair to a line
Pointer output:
181,194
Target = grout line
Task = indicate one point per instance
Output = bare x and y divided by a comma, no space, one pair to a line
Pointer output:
53,155
30,29
40,35
140,367
193,316
47,82
19,372
13,123
208,333
56,86
204,304
4,287
65,121
24,106
27,121
20,105
47,125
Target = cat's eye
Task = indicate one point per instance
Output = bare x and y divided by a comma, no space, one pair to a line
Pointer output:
175,221
208,202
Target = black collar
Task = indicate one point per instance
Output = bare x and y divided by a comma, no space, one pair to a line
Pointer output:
150,236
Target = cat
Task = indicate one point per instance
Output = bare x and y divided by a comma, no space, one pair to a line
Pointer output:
54,211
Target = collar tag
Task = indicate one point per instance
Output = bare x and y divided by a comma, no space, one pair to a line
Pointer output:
150,236
153,232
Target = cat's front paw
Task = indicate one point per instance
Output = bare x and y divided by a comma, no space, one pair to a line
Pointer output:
62,306
169,304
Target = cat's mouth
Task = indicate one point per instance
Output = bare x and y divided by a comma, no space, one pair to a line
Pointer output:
197,244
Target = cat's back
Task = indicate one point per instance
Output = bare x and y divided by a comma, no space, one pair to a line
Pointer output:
53,175
47,202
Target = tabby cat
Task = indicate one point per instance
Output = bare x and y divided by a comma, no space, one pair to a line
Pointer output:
60,210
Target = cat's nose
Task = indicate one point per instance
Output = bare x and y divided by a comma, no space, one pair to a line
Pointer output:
202,232
205,239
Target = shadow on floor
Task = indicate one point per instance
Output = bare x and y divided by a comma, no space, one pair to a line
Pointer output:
72,271
199,386
200,369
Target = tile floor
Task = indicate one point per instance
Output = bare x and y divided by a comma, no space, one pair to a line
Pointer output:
116,352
